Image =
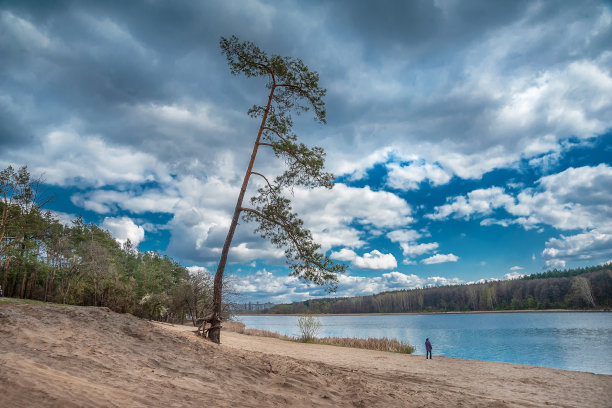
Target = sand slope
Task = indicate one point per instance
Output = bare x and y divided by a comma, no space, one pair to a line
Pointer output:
54,356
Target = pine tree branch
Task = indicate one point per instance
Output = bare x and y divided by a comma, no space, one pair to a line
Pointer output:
264,177
286,229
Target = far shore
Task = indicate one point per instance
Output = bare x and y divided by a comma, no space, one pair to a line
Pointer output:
433,313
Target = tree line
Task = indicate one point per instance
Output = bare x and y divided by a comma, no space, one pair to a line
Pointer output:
584,288
81,264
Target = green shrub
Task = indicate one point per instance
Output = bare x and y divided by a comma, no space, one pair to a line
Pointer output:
309,327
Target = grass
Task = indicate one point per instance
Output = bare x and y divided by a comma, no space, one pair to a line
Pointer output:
379,344
18,301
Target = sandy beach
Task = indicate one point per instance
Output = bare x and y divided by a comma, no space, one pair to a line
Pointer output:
66,356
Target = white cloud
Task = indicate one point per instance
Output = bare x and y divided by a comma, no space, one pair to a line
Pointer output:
411,251
440,258
123,228
63,218
404,235
274,288
441,281
196,116
329,214
574,199
356,167
373,260
197,269
491,221
590,245
409,177
267,286
516,268
514,275
555,263
243,253
67,158
107,201
344,254
477,203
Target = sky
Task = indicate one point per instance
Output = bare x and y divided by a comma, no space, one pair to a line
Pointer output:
470,140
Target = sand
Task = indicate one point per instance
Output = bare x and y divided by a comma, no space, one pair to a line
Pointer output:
65,356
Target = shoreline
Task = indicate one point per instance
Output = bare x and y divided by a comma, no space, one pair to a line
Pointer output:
187,328
97,358
431,313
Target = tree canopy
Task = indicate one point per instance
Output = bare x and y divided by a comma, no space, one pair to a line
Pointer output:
81,264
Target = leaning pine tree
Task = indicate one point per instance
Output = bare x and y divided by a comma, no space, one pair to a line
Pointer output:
292,88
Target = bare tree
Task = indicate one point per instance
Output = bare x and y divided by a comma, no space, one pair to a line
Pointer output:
581,290
292,88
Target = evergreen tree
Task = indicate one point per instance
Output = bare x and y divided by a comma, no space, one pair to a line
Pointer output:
293,88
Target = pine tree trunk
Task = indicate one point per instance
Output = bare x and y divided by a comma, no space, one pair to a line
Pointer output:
214,333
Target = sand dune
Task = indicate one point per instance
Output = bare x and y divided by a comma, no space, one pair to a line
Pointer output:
55,356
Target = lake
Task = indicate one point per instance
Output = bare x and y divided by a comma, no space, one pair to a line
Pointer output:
566,340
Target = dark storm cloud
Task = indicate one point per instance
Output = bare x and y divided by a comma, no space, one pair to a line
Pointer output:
90,60
415,29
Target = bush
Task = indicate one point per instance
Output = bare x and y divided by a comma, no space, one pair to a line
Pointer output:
309,327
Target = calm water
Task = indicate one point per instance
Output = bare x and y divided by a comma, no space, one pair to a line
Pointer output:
570,341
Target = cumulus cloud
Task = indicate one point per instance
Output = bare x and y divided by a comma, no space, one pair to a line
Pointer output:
108,201
197,269
265,286
576,198
64,218
359,285
410,248
68,158
269,287
591,245
409,177
123,228
440,258
519,106
404,235
514,275
373,260
412,251
331,214
477,203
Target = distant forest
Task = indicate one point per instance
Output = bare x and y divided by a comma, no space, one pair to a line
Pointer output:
81,264
583,288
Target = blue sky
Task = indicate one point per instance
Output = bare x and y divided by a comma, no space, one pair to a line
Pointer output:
470,139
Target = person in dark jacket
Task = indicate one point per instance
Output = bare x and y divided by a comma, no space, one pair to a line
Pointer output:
428,349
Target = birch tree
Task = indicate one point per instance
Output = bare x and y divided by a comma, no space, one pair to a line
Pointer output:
292,88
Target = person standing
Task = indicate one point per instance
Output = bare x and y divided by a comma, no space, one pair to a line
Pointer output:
428,349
